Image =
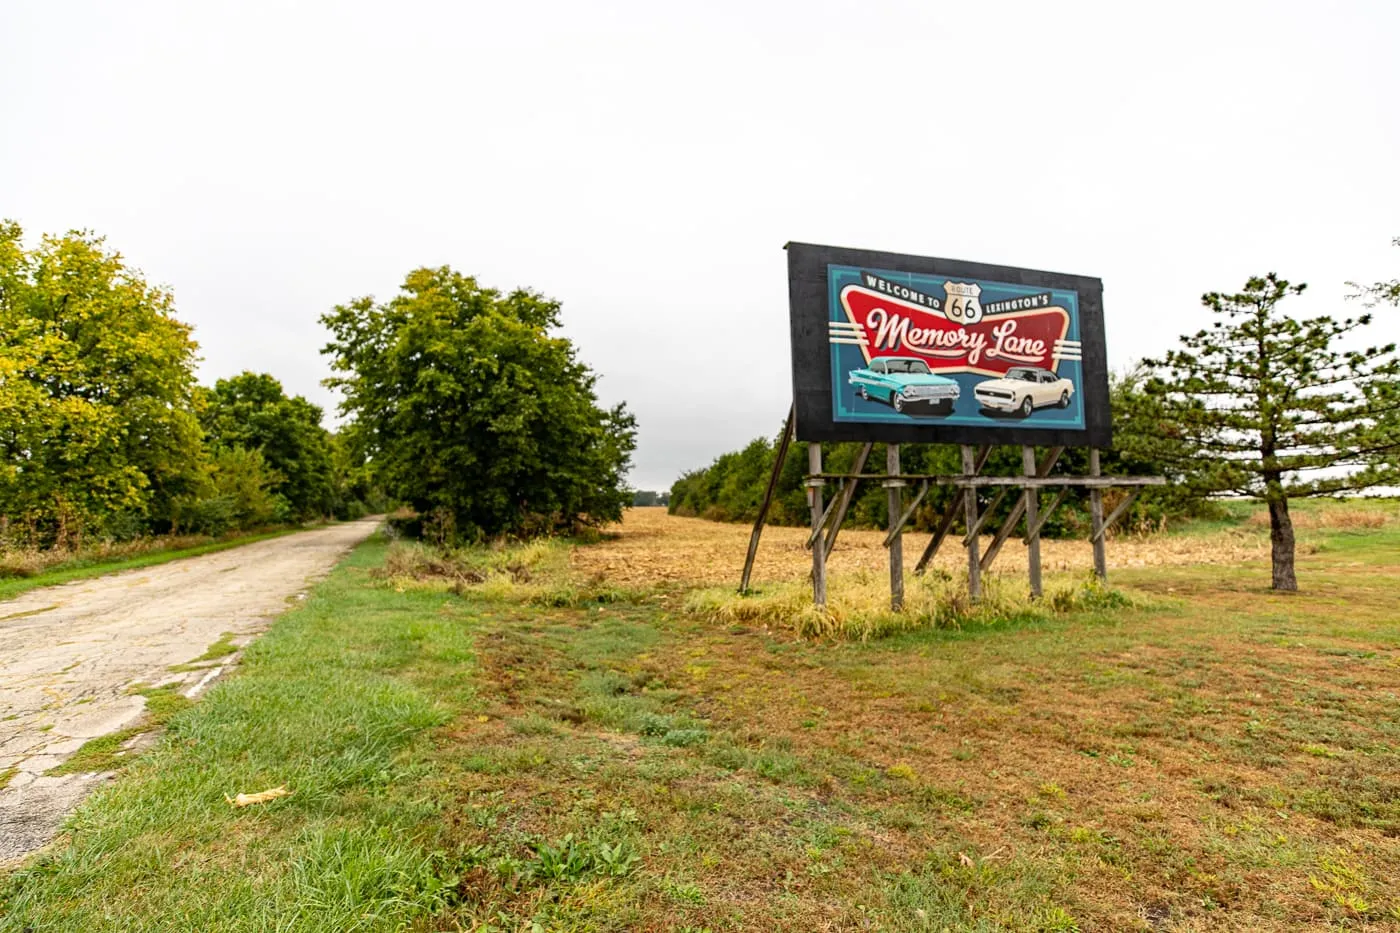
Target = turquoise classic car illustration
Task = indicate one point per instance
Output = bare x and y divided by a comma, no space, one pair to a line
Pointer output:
904,383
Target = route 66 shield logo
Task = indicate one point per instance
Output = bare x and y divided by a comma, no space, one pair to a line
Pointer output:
963,305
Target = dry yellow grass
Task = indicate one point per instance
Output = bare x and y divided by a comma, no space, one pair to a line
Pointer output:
650,547
1355,518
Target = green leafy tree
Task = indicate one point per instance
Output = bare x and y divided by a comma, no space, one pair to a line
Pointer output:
469,410
253,412
97,428
356,493
238,494
1262,404
247,481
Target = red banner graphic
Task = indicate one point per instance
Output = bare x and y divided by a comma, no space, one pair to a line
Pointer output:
886,326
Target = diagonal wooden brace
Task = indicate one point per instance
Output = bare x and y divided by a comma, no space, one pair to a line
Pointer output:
826,513
945,524
778,460
1045,514
908,514
847,495
986,514
1052,457
1115,515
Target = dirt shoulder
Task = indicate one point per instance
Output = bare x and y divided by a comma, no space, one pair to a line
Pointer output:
70,656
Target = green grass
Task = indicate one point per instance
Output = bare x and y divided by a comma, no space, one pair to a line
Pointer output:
1209,756
84,569
216,652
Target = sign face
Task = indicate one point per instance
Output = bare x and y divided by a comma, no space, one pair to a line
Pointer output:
911,349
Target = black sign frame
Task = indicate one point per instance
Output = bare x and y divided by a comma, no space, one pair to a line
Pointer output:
810,303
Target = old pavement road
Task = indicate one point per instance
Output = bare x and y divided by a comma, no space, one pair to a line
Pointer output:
69,655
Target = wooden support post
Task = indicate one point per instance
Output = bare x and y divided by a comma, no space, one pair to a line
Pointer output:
847,494
814,498
779,458
974,565
1096,512
1032,499
896,508
950,516
944,526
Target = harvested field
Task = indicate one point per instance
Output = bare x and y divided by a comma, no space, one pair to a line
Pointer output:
650,547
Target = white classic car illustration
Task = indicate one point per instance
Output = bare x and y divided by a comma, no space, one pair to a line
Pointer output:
1024,389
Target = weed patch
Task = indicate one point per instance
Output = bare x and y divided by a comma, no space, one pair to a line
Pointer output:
219,649
111,752
858,605
535,573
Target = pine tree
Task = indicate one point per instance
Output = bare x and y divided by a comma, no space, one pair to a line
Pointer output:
1264,405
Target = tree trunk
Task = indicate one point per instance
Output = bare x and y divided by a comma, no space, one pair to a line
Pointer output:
1281,537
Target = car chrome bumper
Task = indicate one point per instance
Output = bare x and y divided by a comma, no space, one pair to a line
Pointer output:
1001,404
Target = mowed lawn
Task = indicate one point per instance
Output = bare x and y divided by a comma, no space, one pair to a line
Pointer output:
1216,758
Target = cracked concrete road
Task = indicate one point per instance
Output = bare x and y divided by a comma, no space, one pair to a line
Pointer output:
70,653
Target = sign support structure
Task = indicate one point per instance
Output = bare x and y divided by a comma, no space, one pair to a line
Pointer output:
894,349
826,517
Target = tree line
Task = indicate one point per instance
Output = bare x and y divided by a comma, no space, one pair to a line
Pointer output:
462,405
1259,404
105,432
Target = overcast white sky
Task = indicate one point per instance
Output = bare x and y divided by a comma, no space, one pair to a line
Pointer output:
644,163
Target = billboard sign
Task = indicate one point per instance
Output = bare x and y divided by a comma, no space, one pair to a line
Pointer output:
913,349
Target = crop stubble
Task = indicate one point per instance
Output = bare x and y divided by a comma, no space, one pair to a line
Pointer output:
649,547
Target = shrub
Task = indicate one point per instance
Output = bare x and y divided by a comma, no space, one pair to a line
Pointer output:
209,515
